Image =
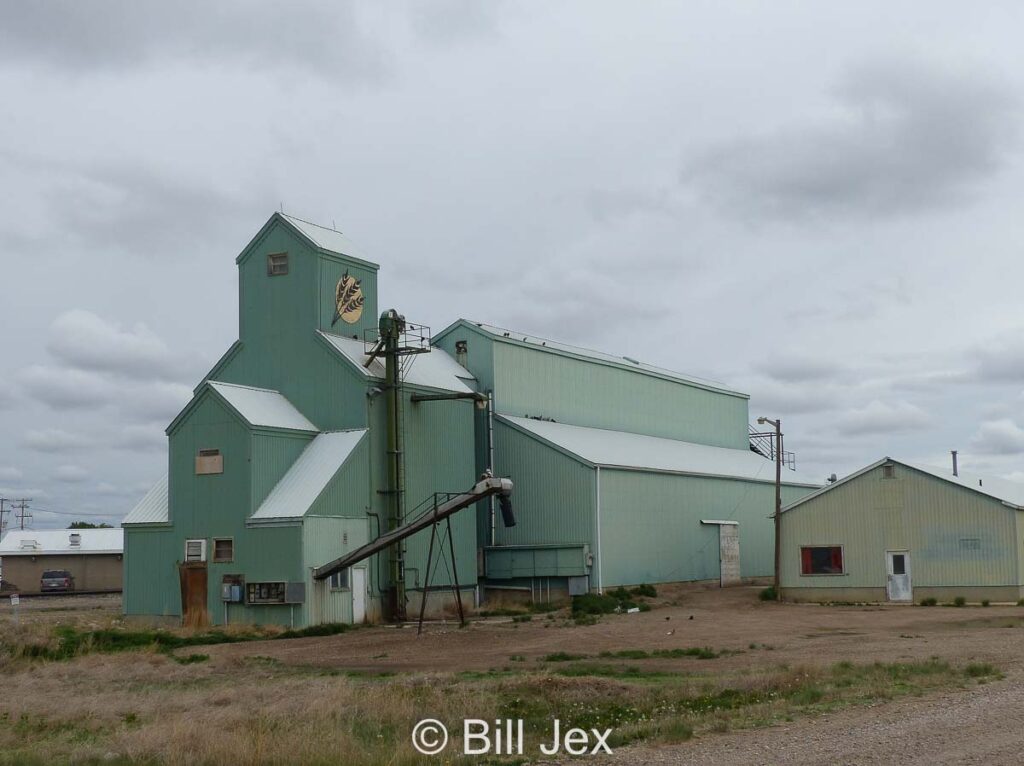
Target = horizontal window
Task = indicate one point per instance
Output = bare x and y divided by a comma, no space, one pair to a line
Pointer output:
821,560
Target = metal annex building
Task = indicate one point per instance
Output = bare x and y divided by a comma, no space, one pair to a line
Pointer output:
897,531
327,424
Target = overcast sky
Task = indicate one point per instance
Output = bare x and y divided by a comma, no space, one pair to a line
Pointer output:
821,207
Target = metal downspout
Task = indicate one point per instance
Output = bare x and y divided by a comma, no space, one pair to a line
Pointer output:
490,461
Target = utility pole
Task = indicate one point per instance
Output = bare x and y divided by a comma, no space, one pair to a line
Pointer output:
3,524
778,496
20,504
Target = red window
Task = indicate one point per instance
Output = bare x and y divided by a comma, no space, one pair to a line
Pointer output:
821,560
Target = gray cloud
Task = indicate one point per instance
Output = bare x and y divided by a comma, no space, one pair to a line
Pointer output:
315,37
899,138
54,440
999,437
71,474
66,389
800,368
85,340
1000,360
878,417
10,473
147,437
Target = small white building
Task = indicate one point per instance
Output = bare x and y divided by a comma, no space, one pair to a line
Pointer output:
94,557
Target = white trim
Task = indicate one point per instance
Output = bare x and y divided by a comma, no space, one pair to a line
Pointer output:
728,522
600,558
202,550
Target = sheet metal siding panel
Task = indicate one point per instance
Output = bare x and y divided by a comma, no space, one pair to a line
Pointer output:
439,457
278,319
540,561
348,492
912,511
272,456
218,505
651,527
529,382
479,354
324,539
150,572
553,496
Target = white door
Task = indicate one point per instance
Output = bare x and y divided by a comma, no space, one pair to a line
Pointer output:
897,565
729,554
358,595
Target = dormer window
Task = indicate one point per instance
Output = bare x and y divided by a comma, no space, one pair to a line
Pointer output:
277,264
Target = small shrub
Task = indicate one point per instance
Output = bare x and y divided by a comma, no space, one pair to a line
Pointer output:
645,590
1020,602
523,618
959,601
645,607
564,657
980,670
190,659
768,594
619,594
517,658
930,601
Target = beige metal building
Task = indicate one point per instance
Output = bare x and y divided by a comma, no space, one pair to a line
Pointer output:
902,532
92,556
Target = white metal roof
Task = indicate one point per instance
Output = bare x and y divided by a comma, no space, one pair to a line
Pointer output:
324,237
500,333
152,508
37,542
627,450
434,369
262,407
306,479
1009,492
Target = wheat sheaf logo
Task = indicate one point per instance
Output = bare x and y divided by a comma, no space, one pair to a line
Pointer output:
348,299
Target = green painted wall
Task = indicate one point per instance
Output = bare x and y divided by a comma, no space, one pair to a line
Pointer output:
651,530
553,494
911,511
150,571
529,381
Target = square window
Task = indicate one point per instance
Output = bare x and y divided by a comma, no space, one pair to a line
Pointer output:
277,264
195,550
821,560
899,564
339,580
223,549
888,471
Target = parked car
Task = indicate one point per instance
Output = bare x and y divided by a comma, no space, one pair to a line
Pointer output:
56,580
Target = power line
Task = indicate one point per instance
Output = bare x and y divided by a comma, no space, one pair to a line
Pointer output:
77,513
21,514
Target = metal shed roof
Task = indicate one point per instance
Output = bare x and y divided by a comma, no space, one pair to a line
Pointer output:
435,369
1009,492
152,508
324,237
262,407
41,542
306,479
544,344
619,449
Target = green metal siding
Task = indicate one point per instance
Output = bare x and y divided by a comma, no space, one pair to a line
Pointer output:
272,455
911,511
536,561
553,495
530,381
325,538
151,572
651,527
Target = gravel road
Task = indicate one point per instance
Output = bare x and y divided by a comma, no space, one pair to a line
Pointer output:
982,725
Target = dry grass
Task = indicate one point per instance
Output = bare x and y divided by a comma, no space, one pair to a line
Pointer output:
142,707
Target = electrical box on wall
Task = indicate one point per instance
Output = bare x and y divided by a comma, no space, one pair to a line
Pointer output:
231,593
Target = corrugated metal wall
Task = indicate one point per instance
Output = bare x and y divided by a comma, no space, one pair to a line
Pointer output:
651,530
553,497
324,539
910,511
272,455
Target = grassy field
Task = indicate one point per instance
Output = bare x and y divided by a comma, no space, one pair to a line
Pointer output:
96,692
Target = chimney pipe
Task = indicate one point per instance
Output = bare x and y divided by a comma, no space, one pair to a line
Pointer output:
956,471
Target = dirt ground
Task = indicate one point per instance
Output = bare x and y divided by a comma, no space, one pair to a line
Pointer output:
732,619
973,724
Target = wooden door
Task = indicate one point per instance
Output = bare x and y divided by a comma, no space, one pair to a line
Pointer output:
192,576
